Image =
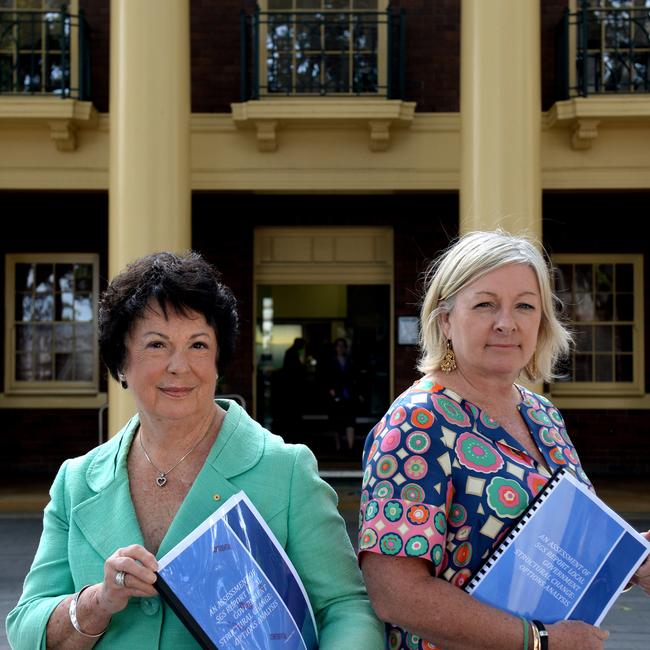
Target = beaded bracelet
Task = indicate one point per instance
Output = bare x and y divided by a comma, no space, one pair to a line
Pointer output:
543,634
72,611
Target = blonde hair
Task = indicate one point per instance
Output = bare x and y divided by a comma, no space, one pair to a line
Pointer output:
469,258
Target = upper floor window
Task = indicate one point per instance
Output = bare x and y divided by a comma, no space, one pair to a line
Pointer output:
51,327
609,42
43,48
603,297
324,47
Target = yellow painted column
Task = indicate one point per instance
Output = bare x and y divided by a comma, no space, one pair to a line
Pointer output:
149,185
500,116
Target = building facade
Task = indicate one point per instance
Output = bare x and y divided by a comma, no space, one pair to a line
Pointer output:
320,153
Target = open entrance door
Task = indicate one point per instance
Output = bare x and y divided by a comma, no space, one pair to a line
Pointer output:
323,341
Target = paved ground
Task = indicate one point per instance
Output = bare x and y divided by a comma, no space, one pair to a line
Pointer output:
628,621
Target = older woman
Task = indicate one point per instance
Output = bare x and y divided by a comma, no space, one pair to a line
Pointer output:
167,324
441,463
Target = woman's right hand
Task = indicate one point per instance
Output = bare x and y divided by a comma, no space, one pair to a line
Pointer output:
575,635
138,565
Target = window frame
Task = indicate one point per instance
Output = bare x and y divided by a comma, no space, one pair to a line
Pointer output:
574,7
12,386
382,55
610,389
72,9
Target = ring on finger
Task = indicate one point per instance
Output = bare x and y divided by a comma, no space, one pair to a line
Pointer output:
119,578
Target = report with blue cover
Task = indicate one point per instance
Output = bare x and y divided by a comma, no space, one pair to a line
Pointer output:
234,587
569,557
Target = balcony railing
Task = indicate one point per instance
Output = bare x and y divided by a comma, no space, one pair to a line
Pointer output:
326,52
603,50
44,53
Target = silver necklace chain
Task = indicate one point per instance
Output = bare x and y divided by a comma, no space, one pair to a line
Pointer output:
161,479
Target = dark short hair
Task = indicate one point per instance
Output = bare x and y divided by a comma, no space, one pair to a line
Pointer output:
184,283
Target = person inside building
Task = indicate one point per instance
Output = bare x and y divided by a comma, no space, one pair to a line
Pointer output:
341,393
463,451
167,326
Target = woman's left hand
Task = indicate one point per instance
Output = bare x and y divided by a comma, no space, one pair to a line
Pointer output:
642,576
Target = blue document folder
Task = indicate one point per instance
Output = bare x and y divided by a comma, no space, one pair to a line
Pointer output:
234,587
569,557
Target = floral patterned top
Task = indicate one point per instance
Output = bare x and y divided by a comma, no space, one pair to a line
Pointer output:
444,482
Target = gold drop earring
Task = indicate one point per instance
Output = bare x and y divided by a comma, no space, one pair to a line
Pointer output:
449,360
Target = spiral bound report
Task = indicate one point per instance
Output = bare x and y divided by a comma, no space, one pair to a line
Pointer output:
568,557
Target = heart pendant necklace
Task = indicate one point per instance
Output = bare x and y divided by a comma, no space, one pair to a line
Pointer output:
161,479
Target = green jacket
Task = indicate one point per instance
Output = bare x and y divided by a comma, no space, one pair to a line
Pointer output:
91,514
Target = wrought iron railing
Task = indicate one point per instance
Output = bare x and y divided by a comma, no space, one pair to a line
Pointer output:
44,53
603,50
326,52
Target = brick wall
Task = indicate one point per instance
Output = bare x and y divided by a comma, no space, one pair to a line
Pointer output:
97,14
432,54
432,59
552,12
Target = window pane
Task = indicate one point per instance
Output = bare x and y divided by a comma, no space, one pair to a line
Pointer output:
337,33
56,31
584,308
83,308
29,31
365,33
56,78
624,277
24,307
64,367
584,279
65,306
24,338
623,338
365,4
365,74
583,367
308,4
603,338
25,276
64,277
625,307
604,369
84,336
584,336
605,278
63,338
308,33
279,74
624,367
24,367
604,307
44,307
43,338
83,275
564,289
337,74
280,34
43,368
44,278
308,73
83,367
